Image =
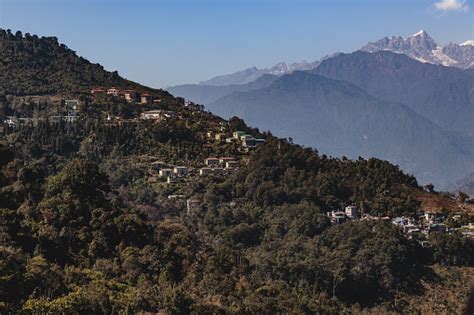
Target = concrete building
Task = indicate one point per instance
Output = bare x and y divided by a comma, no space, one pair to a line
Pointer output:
97,91
231,164
238,134
113,91
165,172
205,171
158,115
351,212
146,98
130,95
181,171
337,217
211,161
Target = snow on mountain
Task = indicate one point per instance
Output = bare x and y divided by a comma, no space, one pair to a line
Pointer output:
252,74
468,43
424,48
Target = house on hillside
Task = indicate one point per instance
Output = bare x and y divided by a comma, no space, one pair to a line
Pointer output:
238,134
249,142
231,164
11,121
337,217
259,142
212,161
181,171
113,91
97,91
434,217
205,171
223,160
164,172
158,115
130,95
146,98
219,136
351,212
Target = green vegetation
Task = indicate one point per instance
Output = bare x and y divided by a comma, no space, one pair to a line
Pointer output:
84,229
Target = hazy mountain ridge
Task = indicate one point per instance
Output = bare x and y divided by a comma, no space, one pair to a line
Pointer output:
339,118
205,94
253,73
445,95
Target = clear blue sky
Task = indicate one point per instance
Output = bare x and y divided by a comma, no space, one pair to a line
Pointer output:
167,42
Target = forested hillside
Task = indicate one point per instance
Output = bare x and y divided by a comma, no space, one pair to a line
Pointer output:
32,65
91,222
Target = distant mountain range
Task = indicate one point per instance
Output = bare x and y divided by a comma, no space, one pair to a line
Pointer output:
395,99
252,74
422,47
339,118
419,46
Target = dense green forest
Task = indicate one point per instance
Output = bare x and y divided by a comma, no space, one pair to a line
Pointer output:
84,228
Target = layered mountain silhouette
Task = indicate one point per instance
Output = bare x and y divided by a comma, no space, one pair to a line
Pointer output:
339,118
205,94
445,95
414,105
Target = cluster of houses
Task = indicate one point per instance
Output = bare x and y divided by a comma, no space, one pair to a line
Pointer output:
247,141
157,115
70,115
428,222
172,174
414,228
127,94
349,213
216,166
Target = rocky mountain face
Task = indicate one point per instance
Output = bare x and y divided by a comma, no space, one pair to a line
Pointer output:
361,104
422,47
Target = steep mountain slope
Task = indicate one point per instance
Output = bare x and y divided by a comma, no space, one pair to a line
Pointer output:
422,47
339,118
40,65
445,95
205,94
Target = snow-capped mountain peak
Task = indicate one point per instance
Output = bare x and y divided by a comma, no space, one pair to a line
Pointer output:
424,48
468,43
420,33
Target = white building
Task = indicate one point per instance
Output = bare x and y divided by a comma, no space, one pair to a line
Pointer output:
165,172
351,212
181,171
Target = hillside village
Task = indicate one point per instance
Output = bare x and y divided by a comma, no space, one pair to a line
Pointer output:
240,143
119,198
